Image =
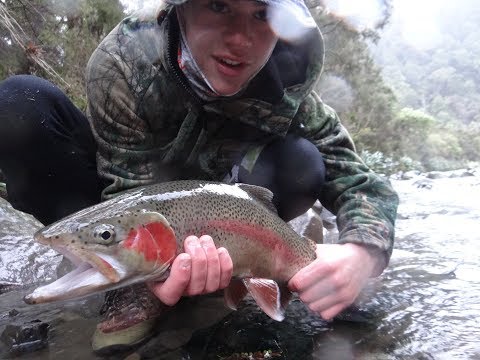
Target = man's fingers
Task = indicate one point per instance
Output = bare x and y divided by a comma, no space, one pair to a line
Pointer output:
226,266
201,269
324,303
213,264
199,266
309,276
333,311
170,291
317,291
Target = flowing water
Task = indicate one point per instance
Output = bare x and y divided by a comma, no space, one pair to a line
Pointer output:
426,305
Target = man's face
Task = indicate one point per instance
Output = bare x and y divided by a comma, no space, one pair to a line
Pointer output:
229,39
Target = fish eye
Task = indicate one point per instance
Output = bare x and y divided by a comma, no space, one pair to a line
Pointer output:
105,233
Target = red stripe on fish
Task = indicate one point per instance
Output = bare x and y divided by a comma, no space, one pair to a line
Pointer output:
263,235
155,241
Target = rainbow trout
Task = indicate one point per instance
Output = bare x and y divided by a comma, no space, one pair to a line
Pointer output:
135,237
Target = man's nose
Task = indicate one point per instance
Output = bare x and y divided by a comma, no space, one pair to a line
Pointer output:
239,33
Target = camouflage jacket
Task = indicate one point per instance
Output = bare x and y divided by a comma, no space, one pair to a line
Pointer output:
151,127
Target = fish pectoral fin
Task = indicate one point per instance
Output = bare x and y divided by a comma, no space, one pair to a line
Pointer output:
234,293
267,295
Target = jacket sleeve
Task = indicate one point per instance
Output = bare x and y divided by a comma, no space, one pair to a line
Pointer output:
125,146
364,202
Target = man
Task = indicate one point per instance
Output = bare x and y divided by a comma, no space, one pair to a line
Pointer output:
219,90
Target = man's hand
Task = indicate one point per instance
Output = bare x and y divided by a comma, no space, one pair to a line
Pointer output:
333,281
201,269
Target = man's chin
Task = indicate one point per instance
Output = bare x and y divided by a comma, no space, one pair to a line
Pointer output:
226,89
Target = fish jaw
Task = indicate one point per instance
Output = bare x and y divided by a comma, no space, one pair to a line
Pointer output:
94,272
144,252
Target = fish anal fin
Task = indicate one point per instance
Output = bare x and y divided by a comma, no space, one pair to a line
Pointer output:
261,194
266,294
234,293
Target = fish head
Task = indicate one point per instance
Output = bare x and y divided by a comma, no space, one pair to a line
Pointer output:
109,251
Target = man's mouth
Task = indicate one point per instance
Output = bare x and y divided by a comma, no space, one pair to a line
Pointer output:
229,66
230,62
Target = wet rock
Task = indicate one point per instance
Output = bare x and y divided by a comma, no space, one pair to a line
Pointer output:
423,184
25,338
13,312
6,286
3,191
461,173
23,261
409,175
317,224
437,175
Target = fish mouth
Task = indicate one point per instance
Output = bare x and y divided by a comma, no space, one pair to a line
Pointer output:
93,273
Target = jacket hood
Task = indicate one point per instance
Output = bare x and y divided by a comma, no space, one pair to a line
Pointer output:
273,96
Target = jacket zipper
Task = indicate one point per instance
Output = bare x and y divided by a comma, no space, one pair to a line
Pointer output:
178,77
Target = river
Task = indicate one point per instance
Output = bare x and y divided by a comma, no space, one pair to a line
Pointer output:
426,305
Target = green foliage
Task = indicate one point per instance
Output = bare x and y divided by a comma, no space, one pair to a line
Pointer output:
63,34
382,164
353,84
424,105
444,75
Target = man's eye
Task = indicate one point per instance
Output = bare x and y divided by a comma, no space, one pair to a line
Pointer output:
218,6
262,15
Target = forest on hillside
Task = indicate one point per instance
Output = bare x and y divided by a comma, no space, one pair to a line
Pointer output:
406,108
437,73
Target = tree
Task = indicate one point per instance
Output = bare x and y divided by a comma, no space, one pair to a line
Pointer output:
353,84
54,39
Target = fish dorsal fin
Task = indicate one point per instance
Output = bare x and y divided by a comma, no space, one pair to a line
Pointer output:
263,195
234,293
266,294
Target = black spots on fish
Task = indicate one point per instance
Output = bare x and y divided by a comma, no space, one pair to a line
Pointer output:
57,237
73,241
137,211
119,221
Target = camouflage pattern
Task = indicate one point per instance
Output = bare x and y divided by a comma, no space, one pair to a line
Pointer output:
150,127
